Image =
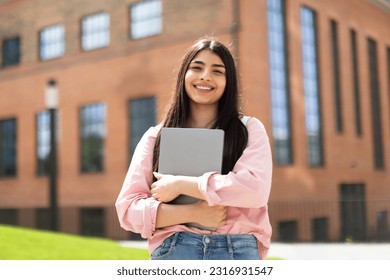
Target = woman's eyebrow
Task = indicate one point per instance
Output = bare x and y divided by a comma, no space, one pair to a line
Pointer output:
202,63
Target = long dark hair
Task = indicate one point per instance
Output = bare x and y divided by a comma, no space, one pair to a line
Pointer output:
228,119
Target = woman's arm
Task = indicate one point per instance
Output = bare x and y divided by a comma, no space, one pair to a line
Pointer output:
200,212
136,208
248,185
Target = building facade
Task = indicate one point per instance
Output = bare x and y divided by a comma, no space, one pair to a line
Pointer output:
316,73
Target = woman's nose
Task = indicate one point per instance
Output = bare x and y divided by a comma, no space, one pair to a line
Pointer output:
205,76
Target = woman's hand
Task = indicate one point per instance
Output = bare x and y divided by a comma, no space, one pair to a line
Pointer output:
209,216
168,187
165,189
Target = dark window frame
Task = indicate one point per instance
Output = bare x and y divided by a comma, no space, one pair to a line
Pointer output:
320,229
382,225
11,57
91,143
336,76
9,216
356,84
137,106
93,221
376,121
288,231
8,149
353,211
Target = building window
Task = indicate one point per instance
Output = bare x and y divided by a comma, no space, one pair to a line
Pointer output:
95,31
142,114
11,51
320,229
9,217
311,87
288,231
279,88
382,225
353,211
43,142
356,86
92,221
8,148
375,106
146,19
43,218
92,133
52,42
336,76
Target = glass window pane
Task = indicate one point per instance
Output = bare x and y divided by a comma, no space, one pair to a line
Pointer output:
311,88
43,142
52,42
281,129
146,19
95,31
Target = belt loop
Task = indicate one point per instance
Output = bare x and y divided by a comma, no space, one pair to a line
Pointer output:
229,244
175,237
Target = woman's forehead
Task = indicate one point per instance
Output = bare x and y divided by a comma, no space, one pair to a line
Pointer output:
208,57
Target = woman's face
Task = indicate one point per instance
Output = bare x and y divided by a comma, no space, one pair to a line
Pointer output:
205,79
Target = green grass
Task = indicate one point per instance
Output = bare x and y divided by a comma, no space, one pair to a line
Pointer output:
28,244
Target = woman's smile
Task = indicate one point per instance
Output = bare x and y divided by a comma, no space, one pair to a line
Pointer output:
204,88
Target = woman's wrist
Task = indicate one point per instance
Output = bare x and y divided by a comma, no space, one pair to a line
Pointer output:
188,185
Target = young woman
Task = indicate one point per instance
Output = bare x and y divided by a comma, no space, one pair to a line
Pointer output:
234,202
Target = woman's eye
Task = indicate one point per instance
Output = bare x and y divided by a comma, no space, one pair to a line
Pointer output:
195,68
219,72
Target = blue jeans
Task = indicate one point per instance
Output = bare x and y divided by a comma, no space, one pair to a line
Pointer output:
190,246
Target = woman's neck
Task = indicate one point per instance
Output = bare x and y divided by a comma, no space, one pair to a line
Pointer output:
202,116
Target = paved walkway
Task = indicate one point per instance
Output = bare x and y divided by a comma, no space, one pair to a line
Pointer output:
315,251
330,251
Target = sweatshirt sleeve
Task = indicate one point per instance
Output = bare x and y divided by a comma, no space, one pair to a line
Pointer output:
249,183
136,209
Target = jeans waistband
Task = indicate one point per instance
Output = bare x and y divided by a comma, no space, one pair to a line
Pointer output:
218,240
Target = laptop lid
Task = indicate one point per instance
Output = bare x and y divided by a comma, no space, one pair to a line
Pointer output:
190,151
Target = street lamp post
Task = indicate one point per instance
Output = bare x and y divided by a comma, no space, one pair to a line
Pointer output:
51,98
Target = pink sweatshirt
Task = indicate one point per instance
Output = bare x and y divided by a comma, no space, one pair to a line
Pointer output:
245,191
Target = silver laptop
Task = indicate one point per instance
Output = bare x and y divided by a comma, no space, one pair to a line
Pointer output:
190,152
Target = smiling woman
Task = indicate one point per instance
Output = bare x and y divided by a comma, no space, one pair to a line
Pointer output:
205,82
234,201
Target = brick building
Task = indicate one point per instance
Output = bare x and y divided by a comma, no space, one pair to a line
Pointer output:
317,73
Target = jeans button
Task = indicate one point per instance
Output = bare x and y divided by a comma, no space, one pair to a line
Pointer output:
207,240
